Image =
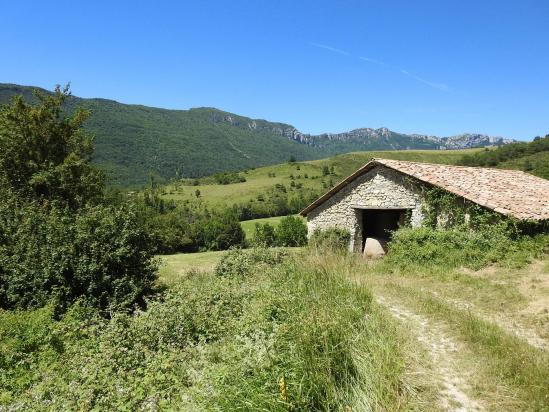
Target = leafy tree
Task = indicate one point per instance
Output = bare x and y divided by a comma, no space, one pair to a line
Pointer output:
219,232
325,170
291,231
44,154
59,239
264,235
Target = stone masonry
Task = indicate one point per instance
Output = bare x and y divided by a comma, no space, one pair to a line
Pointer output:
379,188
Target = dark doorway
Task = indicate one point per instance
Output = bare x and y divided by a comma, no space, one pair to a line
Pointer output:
379,223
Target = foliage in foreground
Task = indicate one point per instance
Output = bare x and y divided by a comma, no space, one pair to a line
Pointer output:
59,239
334,239
259,334
99,254
462,247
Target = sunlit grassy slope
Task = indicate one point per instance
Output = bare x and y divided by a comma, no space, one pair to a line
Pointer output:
249,225
173,267
309,174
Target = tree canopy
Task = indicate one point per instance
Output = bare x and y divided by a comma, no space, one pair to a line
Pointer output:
45,154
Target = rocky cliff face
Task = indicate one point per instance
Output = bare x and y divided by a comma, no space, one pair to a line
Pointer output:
394,140
366,138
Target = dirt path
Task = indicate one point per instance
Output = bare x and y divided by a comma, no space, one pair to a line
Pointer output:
507,322
442,350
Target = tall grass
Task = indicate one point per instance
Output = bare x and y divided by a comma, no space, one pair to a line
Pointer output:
264,332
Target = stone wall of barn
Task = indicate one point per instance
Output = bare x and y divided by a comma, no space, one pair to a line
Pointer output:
380,188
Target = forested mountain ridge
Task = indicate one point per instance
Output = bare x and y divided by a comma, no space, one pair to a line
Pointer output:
134,141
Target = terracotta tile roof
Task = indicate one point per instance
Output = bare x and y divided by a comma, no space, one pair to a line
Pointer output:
510,192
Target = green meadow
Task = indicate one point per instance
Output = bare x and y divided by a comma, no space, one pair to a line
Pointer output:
310,175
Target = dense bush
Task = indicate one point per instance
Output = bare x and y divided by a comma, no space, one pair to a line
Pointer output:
334,239
44,154
100,254
59,239
228,178
187,226
264,235
220,231
461,246
291,231
240,262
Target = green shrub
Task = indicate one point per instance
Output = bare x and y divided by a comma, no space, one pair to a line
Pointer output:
291,231
264,235
100,253
242,262
461,246
334,239
219,232
228,178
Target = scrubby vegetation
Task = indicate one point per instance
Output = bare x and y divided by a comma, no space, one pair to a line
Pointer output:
531,157
335,239
262,333
462,247
188,226
291,231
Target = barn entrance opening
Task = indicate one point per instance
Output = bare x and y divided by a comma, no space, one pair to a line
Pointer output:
377,226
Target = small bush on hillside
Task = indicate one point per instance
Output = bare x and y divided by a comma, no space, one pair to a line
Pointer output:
264,235
219,232
291,231
228,178
334,239
463,247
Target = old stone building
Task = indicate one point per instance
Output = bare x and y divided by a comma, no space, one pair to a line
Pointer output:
383,194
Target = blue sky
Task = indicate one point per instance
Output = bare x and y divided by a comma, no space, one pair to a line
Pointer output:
436,67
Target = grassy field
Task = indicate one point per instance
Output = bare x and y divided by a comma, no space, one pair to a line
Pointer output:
300,329
484,333
308,174
173,267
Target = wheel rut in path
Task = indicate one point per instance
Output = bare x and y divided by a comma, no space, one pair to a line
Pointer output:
442,350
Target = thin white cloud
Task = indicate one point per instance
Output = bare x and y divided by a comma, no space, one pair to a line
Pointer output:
332,49
439,86
370,60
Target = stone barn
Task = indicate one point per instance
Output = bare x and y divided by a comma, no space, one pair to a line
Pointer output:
384,194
